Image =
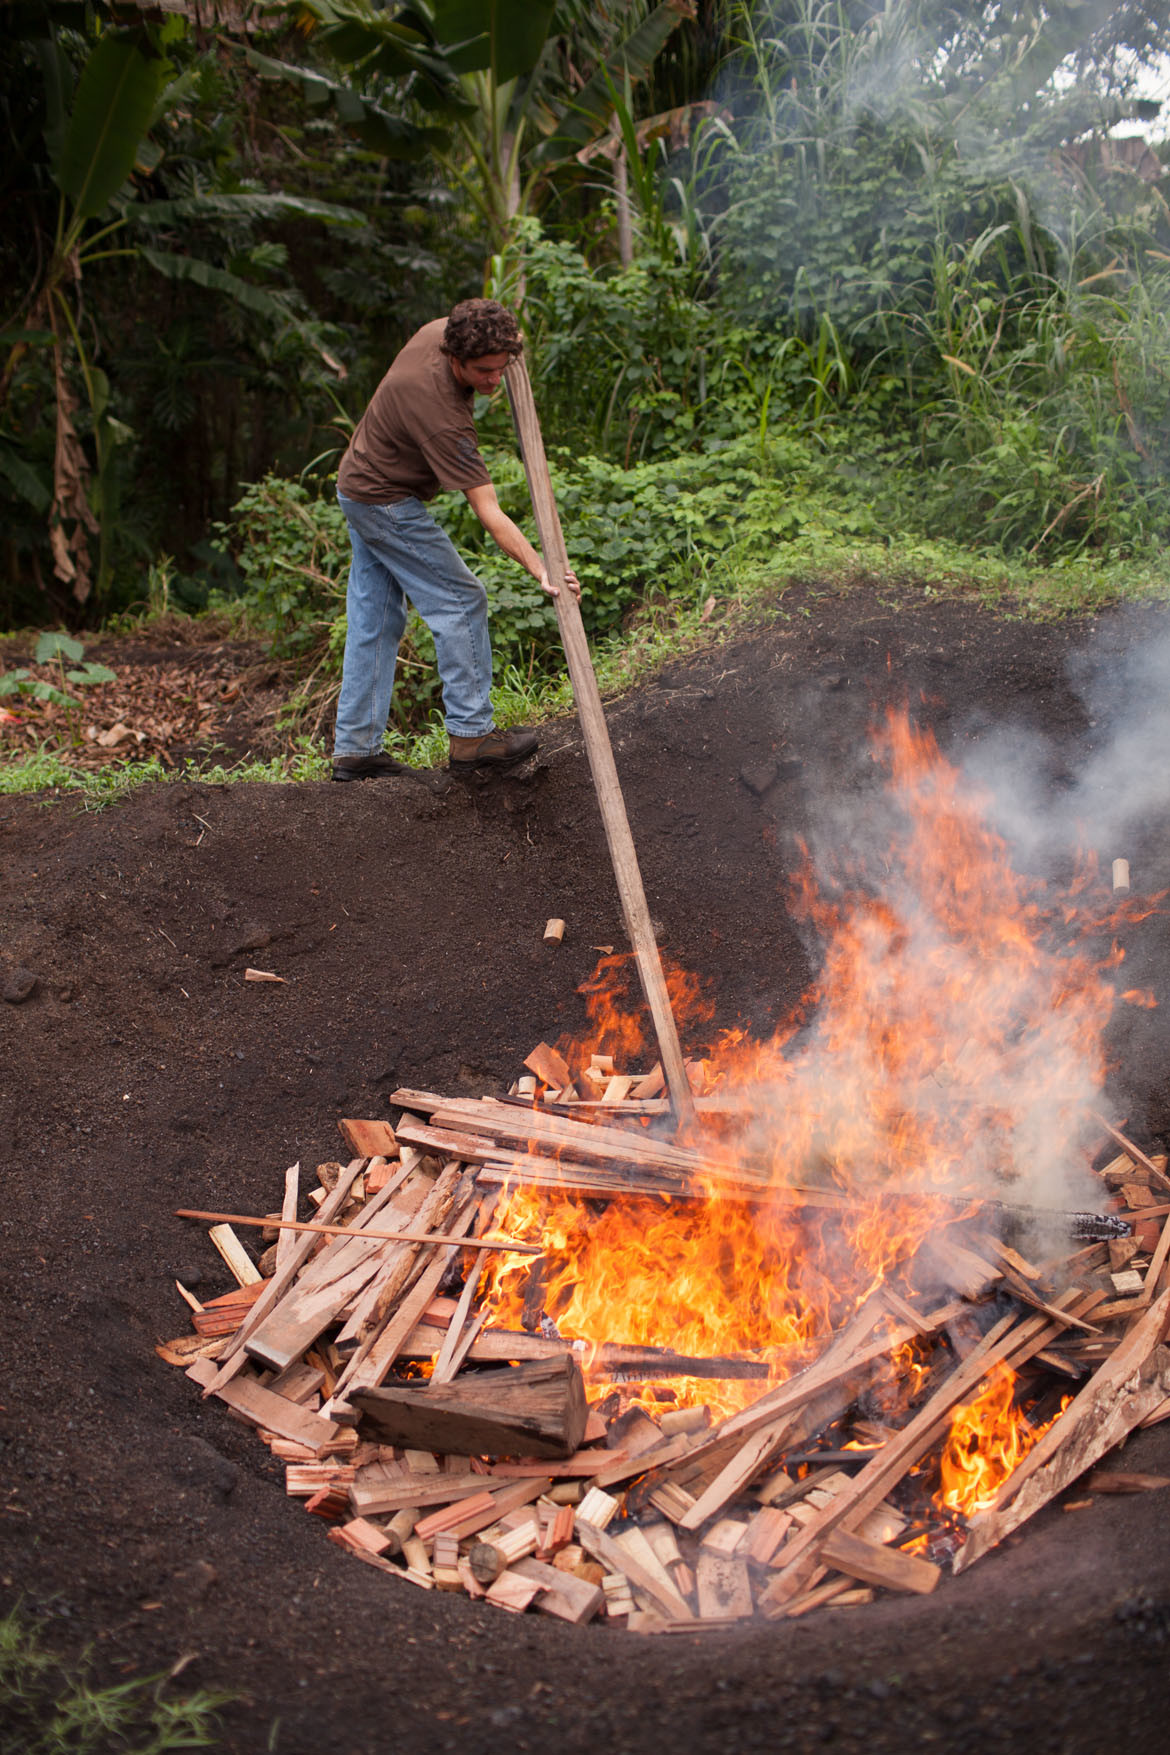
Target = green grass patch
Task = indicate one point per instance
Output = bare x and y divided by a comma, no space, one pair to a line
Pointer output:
49,1706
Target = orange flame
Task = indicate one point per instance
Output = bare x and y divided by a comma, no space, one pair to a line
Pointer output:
951,1044
988,1438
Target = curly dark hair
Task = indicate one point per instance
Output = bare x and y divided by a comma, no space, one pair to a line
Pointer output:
477,327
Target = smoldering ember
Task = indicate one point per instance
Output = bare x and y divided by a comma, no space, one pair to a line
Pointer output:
898,1283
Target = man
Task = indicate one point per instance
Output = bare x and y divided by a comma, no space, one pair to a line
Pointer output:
416,438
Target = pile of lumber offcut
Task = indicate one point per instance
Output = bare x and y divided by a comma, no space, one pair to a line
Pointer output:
457,1455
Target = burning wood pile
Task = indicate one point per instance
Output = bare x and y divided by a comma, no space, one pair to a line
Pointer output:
456,1449
839,1330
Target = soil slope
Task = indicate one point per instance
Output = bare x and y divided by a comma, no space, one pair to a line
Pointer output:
143,1074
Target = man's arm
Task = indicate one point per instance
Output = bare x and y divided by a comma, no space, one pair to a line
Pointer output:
512,539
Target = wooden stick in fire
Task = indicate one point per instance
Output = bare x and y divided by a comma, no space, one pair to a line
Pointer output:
597,743
503,1243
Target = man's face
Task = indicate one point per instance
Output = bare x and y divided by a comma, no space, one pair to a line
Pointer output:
483,375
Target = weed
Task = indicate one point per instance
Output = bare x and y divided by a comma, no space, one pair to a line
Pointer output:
49,1706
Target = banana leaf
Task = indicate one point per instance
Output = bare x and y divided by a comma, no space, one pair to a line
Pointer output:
505,37
111,112
591,107
148,213
389,136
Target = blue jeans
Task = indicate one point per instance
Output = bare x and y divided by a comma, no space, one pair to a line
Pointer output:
399,552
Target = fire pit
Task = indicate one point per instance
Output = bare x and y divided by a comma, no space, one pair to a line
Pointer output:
895,1288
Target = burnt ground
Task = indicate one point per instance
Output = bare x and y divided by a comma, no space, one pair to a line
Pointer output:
143,1074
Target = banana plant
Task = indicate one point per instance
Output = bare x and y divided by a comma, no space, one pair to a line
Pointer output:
503,74
97,136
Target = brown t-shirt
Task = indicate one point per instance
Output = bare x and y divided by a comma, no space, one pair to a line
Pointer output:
417,436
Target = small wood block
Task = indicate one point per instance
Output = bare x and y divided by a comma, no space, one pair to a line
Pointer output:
619,1599
569,1598
512,1591
597,1507
302,1480
360,1532
331,1503
559,1532
725,1591
369,1139
684,1420
486,1563
766,1531
725,1537
664,1542
554,931
549,1066
518,1543
672,1501
1126,1283
415,1554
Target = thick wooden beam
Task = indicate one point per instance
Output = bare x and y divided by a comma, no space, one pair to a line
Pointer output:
597,744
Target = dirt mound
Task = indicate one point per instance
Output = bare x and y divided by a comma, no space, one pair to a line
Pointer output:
143,1074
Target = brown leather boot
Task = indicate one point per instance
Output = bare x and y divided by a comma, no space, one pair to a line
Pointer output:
494,752
380,767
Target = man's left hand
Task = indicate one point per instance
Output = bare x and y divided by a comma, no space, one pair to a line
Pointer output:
571,580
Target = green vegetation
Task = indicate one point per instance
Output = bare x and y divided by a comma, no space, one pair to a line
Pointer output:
51,1707
810,289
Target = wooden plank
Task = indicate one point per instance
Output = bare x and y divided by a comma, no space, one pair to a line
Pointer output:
550,1067
1118,1397
285,1238
260,1407
873,1563
234,1254
635,909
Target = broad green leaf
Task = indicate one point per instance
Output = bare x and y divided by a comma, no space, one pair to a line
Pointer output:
27,338
148,213
111,113
55,77
92,673
592,106
203,274
53,644
24,480
376,128
505,37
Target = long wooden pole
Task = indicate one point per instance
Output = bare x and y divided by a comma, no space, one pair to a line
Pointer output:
360,1234
597,744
